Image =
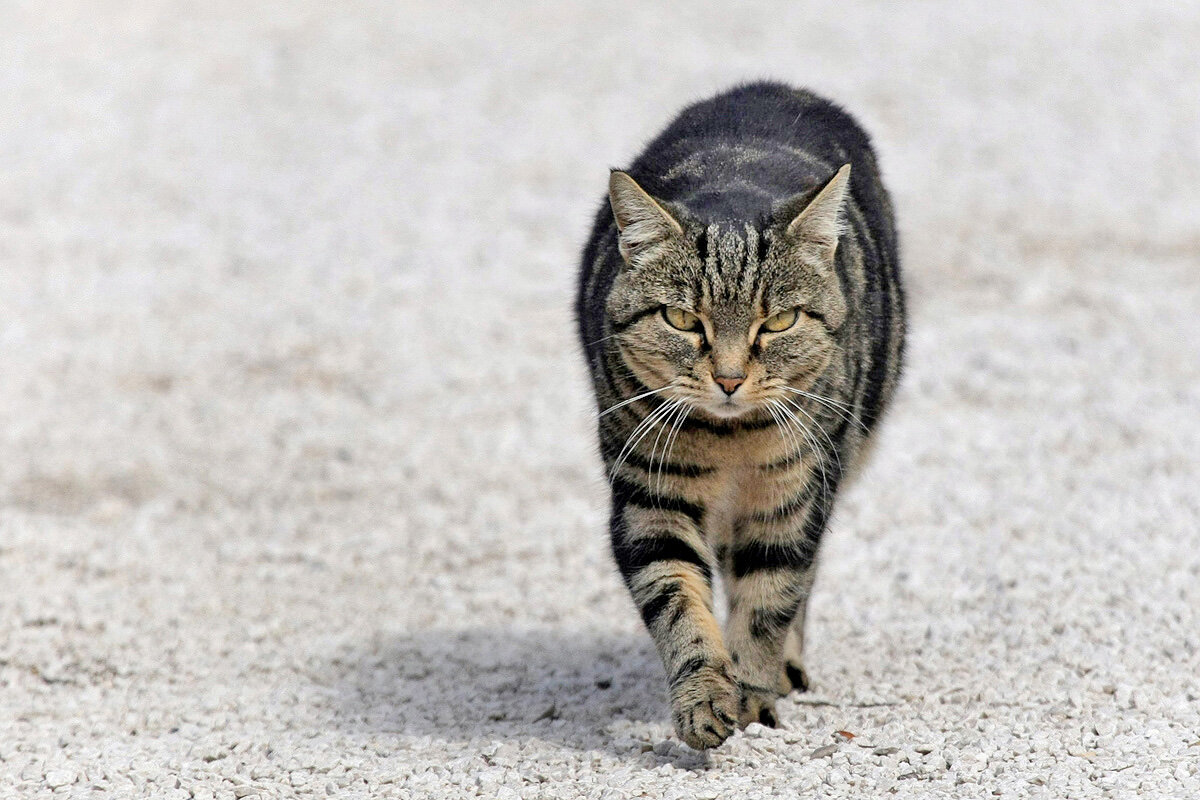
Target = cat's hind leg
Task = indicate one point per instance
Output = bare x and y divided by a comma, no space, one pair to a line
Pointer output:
795,678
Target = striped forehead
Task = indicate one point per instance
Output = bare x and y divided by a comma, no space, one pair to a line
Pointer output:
733,257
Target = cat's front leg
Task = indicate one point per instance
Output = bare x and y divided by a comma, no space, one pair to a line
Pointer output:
769,583
665,561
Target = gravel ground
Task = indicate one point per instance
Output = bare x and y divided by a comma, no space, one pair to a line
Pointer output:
299,494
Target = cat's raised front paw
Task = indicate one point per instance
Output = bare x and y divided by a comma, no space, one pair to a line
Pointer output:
705,707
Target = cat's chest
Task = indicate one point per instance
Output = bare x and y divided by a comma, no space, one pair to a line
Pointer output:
725,502
742,476
738,491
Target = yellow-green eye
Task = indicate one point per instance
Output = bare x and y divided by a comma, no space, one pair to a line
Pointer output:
781,321
683,320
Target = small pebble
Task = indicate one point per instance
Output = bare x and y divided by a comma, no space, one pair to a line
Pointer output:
59,777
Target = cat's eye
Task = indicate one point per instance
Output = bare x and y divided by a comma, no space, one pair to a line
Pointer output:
683,320
781,321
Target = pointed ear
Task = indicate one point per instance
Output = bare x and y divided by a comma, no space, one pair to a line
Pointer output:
820,221
641,220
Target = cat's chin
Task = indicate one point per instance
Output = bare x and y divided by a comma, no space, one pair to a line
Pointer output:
729,410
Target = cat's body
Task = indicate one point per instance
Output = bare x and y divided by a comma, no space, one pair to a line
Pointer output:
742,314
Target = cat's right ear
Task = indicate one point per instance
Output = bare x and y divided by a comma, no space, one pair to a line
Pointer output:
642,222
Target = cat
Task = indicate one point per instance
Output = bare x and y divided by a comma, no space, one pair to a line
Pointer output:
742,314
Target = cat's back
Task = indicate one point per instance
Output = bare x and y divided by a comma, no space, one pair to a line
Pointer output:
733,156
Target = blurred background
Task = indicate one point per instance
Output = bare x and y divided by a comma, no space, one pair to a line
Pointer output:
299,487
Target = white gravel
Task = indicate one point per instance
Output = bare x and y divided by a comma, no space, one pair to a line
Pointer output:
299,497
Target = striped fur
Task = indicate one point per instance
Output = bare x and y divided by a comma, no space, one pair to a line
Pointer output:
737,211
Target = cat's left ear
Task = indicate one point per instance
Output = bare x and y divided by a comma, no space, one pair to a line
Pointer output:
641,220
820,221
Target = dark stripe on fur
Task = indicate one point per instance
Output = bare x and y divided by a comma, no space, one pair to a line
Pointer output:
610,448
789,507
656,605
677,615
620,326
635,556
628,492
725,428
687,668
754,557
771,622
764,245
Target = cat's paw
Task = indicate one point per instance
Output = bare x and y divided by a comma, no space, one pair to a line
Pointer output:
704,706
758,705
794,678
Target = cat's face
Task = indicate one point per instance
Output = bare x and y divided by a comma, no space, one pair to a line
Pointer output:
723,319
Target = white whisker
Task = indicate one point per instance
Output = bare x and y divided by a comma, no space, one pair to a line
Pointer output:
646,425
812,442
687,410
790,443
674,426
633,399
789,437
832,448
665,428
842,410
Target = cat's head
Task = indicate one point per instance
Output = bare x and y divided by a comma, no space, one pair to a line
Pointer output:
723,317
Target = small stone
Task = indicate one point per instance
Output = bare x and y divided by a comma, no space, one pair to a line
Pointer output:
885,751
754,730
59,777
836,777
923,749
243,791
823,752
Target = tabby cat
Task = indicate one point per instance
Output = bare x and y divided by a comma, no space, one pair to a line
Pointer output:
742,314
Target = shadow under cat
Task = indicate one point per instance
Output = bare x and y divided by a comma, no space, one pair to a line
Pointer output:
496,684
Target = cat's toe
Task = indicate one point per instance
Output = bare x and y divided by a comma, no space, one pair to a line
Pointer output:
705,708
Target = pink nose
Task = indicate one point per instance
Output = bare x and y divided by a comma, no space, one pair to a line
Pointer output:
730,383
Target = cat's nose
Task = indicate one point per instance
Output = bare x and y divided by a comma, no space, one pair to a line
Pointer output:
730,383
